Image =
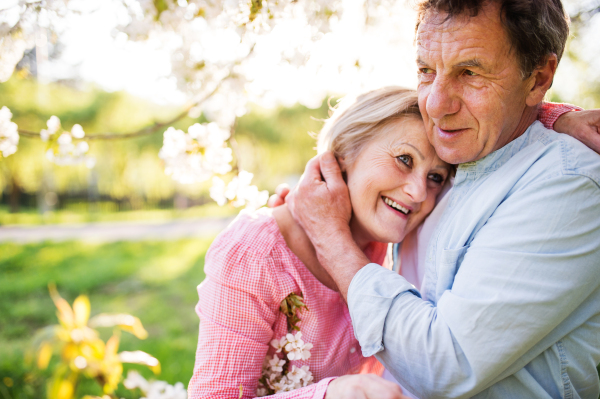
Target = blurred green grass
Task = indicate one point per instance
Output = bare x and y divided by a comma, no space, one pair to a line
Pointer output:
74,215
155,281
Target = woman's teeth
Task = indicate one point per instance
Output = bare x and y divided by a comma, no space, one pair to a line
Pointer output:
394,205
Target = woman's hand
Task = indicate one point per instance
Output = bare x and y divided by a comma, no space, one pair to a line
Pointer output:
278,198
582,125
363,386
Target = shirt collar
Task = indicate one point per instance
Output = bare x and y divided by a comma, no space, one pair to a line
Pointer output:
493,161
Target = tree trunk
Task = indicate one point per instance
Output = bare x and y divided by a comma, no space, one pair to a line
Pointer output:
15,196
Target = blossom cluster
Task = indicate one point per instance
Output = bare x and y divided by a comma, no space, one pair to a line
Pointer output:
9,134
197,155
278,375
238,192
154,389
66,148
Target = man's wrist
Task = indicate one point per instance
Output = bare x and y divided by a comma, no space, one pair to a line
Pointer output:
340,256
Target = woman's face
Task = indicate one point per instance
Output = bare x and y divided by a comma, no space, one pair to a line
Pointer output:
394,182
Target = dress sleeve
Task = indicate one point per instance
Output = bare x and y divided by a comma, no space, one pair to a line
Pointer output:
548,113
238,306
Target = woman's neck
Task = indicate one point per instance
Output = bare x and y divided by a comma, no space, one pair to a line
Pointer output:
361,239
297,240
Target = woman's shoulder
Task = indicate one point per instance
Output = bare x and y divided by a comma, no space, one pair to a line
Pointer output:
249,251
255,232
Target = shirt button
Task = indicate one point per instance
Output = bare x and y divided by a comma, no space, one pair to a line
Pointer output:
352,350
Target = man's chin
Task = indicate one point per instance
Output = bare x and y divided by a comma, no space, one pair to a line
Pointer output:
455,154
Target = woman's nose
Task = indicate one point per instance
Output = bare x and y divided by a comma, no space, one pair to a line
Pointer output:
416,188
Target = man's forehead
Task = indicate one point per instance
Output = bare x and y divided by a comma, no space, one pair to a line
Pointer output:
462,37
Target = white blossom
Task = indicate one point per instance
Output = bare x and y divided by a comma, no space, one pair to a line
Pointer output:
296,348
64,150
9,133
279,344
279,377
135,380
154,389
53,126
197,155
307,379
276,364
239,192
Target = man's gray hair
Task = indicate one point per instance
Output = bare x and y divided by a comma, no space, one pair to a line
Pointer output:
535,28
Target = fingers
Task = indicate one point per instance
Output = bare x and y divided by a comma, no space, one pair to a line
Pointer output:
282,190
275,200
312,172
330,169
279,197
363,386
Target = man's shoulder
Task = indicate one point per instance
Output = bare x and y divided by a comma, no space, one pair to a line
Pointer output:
561,155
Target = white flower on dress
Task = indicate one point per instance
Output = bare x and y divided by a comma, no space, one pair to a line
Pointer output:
276,364
276,377
279,344
9,133
296,348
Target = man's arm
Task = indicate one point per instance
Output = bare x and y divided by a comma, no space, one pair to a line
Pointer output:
509,298
320,203
518,290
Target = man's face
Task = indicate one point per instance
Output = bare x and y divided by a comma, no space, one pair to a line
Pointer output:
471,91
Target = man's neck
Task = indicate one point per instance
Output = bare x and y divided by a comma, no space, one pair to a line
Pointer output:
528,116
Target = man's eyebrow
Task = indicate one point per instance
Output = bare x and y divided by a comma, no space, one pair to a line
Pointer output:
472,63
421,62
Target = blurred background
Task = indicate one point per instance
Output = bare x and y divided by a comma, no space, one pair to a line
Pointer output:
124,230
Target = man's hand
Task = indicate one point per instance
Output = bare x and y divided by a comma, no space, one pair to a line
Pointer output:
363,386
321,199
582,125
320,203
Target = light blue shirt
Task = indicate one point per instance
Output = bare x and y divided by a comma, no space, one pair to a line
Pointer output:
510,304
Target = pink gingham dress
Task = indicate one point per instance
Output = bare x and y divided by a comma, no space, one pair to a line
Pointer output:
249,271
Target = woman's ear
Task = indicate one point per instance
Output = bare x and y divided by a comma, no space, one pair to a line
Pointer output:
342,162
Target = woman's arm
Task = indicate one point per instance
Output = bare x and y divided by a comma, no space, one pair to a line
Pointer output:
238,307
584,125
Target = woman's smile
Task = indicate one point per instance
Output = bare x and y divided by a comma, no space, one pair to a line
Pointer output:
396,207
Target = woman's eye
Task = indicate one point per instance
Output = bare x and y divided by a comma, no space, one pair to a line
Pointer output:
435,177
405,159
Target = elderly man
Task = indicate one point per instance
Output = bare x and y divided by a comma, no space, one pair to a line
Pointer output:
510,303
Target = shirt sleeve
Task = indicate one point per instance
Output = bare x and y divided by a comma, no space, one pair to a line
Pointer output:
238,305
548,113
530,266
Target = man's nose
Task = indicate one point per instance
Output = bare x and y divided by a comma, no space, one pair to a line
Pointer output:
442,99
416,188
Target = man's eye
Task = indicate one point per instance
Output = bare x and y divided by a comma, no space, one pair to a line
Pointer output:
426,70
470,73
405,159
435,177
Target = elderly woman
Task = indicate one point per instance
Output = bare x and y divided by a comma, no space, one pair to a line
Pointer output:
258,293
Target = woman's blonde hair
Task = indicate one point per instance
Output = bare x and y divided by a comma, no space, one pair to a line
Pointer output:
356,120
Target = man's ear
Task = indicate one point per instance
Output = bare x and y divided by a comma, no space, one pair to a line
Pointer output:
542,80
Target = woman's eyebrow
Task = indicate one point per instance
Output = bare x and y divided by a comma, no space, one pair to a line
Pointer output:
416,150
